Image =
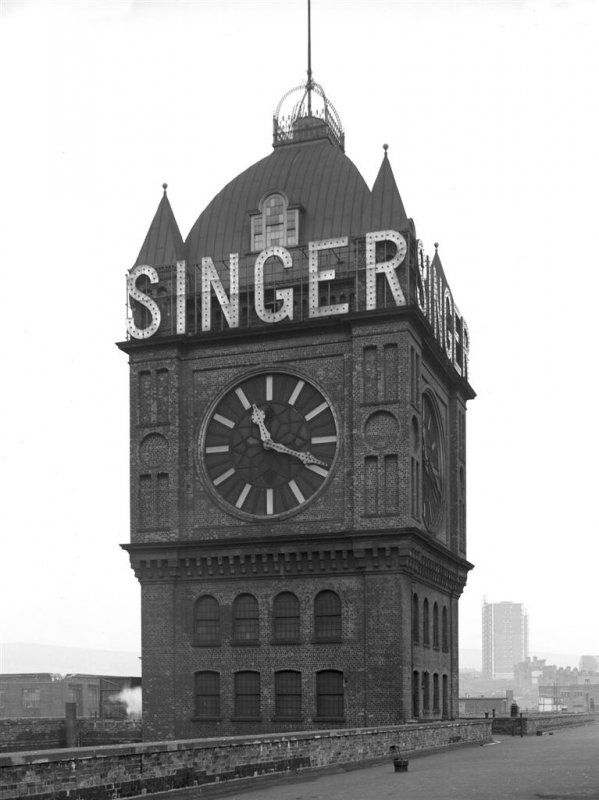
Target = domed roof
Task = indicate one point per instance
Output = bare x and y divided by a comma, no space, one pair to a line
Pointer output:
313,173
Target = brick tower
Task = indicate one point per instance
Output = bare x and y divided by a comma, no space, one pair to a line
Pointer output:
299,382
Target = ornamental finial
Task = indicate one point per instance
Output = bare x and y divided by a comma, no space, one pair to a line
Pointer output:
165,187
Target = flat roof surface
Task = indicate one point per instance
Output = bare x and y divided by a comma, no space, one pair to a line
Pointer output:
561,766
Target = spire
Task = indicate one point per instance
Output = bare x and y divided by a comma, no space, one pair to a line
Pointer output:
386,210
163,244
310,82
305,113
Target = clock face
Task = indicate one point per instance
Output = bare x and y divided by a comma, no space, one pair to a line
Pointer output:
268,445
433,466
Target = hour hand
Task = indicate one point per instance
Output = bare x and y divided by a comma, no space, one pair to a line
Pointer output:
258,417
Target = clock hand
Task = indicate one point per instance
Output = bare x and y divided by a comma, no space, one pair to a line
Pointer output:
304,457
258,417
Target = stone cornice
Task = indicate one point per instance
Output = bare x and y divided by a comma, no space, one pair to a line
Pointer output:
406,552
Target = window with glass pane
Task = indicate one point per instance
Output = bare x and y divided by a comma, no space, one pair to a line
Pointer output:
257,233
286,613
245,619
207,694
426,697
247,694
327,616
415,620
435,625
329,693
288,694
425,624
207,620
31,698
292,219
275,224
436,708
445,631
274,218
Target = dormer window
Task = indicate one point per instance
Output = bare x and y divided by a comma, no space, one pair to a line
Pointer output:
276,224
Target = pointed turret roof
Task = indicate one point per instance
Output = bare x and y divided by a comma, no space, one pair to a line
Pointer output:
436,263
386,210
163,244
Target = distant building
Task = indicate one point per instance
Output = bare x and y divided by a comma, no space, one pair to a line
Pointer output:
505,638
577,697
589,663
495,705
44,694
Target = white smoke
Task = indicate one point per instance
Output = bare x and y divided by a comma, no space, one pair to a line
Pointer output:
131,699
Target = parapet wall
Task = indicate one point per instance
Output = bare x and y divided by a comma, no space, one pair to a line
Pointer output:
50,733
530,724
92,773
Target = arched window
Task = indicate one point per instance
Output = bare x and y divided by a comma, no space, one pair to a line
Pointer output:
415,620
426,694
445,699
246,629
288,694
276,224
329,694
444,630
247,694
426,631
327,617
207,695
436,707
206,621
416,694
286,618
435,626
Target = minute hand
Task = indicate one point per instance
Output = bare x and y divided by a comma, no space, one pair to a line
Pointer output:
305,458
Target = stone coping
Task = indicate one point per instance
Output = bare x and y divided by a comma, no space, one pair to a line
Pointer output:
139,748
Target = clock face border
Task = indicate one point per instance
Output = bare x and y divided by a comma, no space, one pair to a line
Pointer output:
303,483
433,472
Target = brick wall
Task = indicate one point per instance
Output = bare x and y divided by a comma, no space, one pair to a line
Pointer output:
49,733
533,723
135,769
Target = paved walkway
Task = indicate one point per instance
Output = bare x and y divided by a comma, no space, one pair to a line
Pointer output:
562,766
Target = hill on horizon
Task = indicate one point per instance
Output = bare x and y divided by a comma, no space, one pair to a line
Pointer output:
17,657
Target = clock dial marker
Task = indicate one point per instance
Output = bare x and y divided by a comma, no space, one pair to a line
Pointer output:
323,439
221,448
269,501
222,478
316,411
318,470
242,398
269,388
296,491
295,394
243,496
224,420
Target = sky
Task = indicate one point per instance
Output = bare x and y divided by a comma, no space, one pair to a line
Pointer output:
491,113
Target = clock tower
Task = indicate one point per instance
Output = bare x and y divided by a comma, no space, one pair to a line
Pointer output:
299,378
